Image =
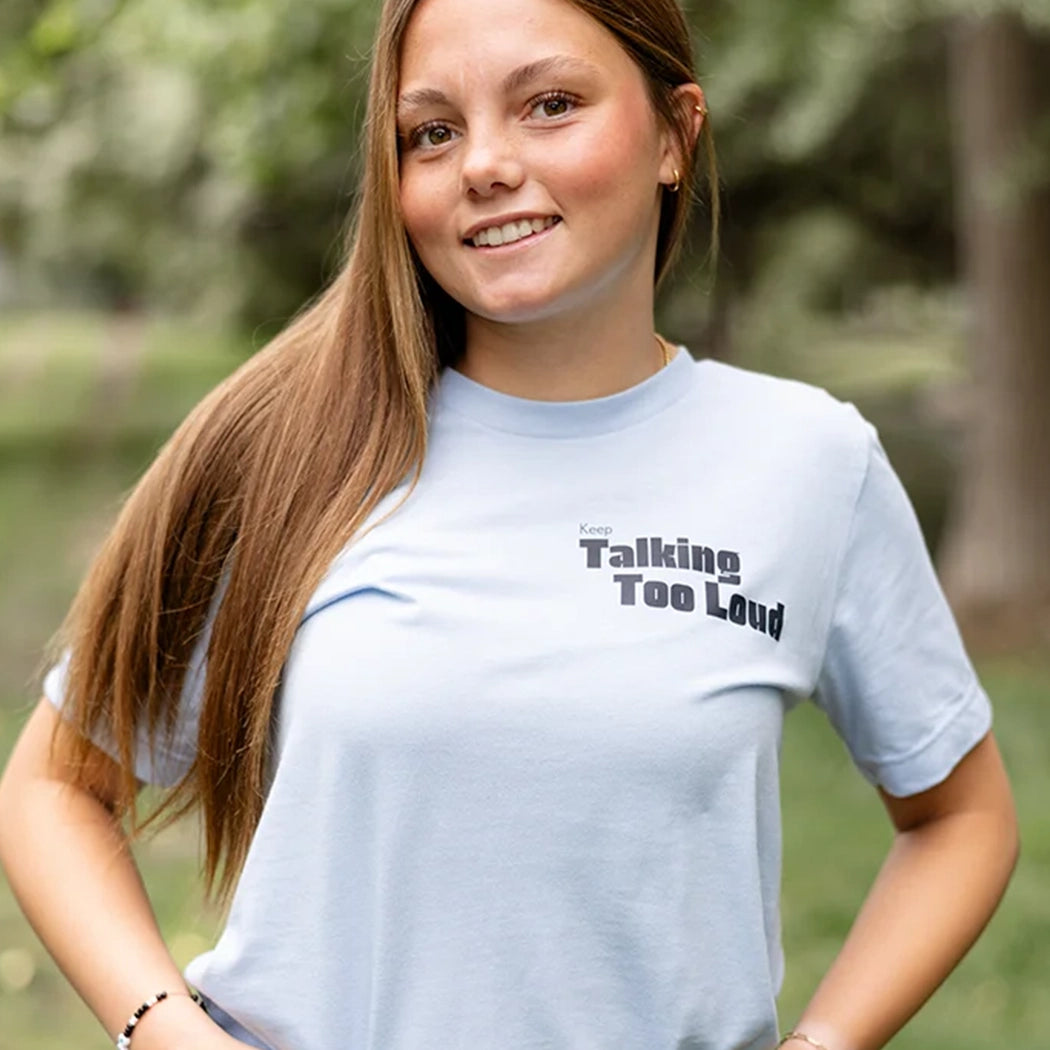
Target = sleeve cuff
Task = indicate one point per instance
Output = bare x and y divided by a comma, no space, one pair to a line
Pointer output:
933,761
161,769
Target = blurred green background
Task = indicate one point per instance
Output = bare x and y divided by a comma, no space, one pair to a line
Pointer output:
174,179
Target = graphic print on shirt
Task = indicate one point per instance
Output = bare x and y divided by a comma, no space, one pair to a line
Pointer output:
719,599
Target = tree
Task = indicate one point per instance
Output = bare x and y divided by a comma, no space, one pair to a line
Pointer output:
167,152
995,560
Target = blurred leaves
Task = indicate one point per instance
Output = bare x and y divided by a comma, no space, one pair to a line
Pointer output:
179,152
202,154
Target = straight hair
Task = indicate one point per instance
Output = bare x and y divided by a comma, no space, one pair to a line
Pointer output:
244,509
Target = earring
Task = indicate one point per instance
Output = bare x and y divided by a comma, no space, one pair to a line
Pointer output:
702,110
677,184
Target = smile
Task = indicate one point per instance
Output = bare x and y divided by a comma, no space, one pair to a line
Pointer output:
512,232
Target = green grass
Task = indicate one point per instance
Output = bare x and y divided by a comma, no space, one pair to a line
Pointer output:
57,496
835,834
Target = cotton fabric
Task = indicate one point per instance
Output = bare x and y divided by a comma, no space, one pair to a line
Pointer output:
525,792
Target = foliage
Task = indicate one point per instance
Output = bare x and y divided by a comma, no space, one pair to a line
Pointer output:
181,152
202,155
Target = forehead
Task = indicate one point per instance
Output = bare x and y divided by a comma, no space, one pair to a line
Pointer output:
468,42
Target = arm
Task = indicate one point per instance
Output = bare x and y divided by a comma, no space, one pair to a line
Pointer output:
68,862
954,851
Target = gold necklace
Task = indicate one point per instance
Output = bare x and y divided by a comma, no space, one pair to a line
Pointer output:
665,348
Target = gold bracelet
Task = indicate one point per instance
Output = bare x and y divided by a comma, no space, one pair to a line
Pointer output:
801,1037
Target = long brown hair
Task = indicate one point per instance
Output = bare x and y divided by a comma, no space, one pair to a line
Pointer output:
275,471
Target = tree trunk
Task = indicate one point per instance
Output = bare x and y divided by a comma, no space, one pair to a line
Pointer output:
995,559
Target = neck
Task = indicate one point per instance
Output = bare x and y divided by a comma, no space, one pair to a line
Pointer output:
561,361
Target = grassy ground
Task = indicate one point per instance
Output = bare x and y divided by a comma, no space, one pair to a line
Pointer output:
61,474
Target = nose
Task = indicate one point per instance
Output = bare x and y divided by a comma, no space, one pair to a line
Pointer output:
490,161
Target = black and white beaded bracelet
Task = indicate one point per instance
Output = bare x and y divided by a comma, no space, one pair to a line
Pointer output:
124,1039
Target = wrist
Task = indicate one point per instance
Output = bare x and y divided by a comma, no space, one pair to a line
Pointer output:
798,1039
177,1023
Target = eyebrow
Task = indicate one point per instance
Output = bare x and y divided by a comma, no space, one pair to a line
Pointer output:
513,81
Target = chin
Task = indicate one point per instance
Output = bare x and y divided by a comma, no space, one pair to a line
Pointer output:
516,310
514,316
518,306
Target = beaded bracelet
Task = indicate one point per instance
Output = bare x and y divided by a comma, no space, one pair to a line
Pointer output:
124,1039
801,1037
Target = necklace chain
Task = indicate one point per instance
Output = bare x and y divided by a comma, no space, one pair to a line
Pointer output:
665,348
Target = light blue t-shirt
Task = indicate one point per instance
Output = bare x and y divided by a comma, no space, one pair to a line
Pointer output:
525,794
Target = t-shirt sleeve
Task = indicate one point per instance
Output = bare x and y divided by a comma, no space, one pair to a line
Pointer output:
895,680
172,754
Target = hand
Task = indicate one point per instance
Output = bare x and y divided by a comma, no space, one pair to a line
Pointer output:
215,1039
229,1043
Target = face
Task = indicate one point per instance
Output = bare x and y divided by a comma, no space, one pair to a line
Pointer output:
531,158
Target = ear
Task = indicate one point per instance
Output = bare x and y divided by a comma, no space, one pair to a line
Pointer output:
693,107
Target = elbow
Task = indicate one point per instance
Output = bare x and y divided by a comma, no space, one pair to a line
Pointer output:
9,808
1008,830
1012,845
998,838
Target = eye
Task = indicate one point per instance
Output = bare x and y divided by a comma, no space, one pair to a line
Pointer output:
554,103
429,136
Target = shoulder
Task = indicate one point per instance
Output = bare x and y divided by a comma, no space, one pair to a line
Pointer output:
806,421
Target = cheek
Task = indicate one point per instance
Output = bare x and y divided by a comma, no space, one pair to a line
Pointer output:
421,211
613,164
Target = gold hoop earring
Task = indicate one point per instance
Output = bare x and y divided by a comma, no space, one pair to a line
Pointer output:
677,184
702,110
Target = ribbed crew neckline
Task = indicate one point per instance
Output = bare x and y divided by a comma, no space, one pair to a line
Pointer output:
520,415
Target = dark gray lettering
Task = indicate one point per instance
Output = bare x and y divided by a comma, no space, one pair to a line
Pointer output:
594,550
656,594
662,554
728,567
642,547
628,587
682,552
776,621
683,598
713,606
703,560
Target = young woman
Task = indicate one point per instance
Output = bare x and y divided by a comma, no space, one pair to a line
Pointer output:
469,611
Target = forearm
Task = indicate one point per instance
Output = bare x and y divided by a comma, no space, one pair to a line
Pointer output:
937,889
72,872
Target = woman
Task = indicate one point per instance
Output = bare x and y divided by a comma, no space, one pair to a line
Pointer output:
469,612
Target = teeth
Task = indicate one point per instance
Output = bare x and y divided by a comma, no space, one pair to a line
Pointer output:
511,232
